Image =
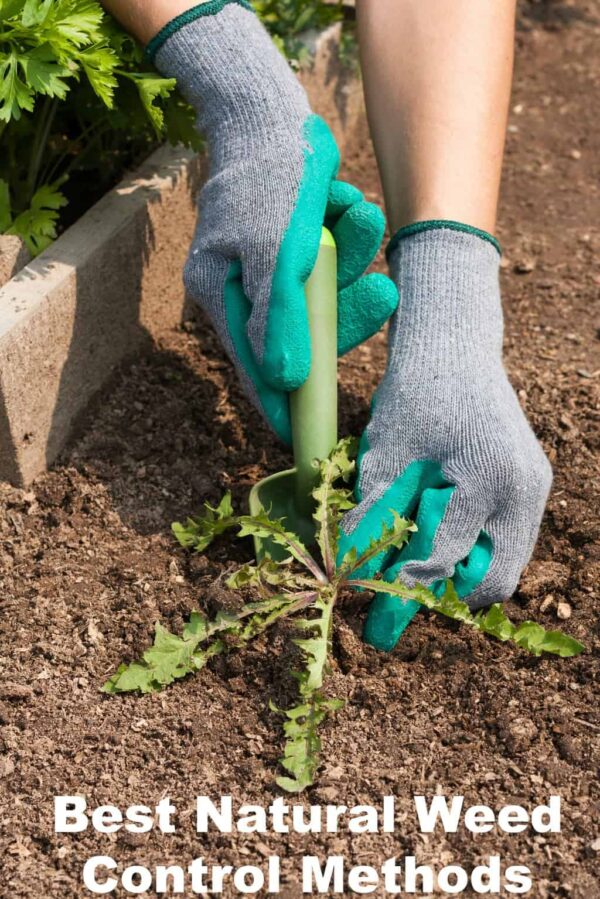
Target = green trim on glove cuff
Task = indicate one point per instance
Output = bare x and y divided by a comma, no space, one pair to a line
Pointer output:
211,8
435,225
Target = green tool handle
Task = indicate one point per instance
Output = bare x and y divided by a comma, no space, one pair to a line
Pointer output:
314,407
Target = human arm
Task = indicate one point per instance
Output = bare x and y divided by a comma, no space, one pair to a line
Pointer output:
448,443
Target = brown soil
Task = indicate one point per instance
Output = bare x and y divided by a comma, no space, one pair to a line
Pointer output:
88,564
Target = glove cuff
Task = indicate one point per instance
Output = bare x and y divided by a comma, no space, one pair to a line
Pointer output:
211,8
437,225
248,102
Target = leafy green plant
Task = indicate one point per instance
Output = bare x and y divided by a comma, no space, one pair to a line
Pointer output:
287,20
79,105
75,98
307,590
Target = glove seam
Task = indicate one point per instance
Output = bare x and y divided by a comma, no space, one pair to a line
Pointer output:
211,8
437,225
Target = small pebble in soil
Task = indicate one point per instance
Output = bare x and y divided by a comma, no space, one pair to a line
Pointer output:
563,610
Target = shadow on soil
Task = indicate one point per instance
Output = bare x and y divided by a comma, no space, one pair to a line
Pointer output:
174,430
110,255
555,14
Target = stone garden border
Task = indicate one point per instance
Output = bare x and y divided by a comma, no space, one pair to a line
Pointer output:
111,285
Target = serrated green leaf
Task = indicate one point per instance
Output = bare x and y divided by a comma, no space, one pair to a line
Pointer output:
196,627
37,225
171,657
152,87
129,678
43,74
73,22
493,622
274,529
394,535
266,574
562,645
198,533
246,576
35,12
450,605
302,743
15,95
535,639
99,64
332,501
111,684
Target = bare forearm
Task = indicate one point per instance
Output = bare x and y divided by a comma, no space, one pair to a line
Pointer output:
145,18
437,77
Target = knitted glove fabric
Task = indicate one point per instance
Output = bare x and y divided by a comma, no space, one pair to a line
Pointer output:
448,444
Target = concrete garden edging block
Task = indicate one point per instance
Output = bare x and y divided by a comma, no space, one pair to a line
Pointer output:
14,255
111,284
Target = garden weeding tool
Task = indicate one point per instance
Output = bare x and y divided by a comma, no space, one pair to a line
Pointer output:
288,494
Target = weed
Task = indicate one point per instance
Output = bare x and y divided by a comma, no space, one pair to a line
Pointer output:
306,590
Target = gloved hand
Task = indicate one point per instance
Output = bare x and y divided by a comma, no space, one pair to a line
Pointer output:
272,187
448,444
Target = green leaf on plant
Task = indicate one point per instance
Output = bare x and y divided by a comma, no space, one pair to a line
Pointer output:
99,64
262,526
168,659
15,95
68,24
536,640
37,225
198,533
152,87
171,657
44,74
301,757
333,500
267,574
493,622
394,535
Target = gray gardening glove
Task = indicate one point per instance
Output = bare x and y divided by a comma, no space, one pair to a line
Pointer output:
272,188
448,444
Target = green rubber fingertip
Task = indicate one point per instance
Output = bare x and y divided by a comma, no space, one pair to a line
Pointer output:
432,509
387,620
470,573
363,308
358,234
341,196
